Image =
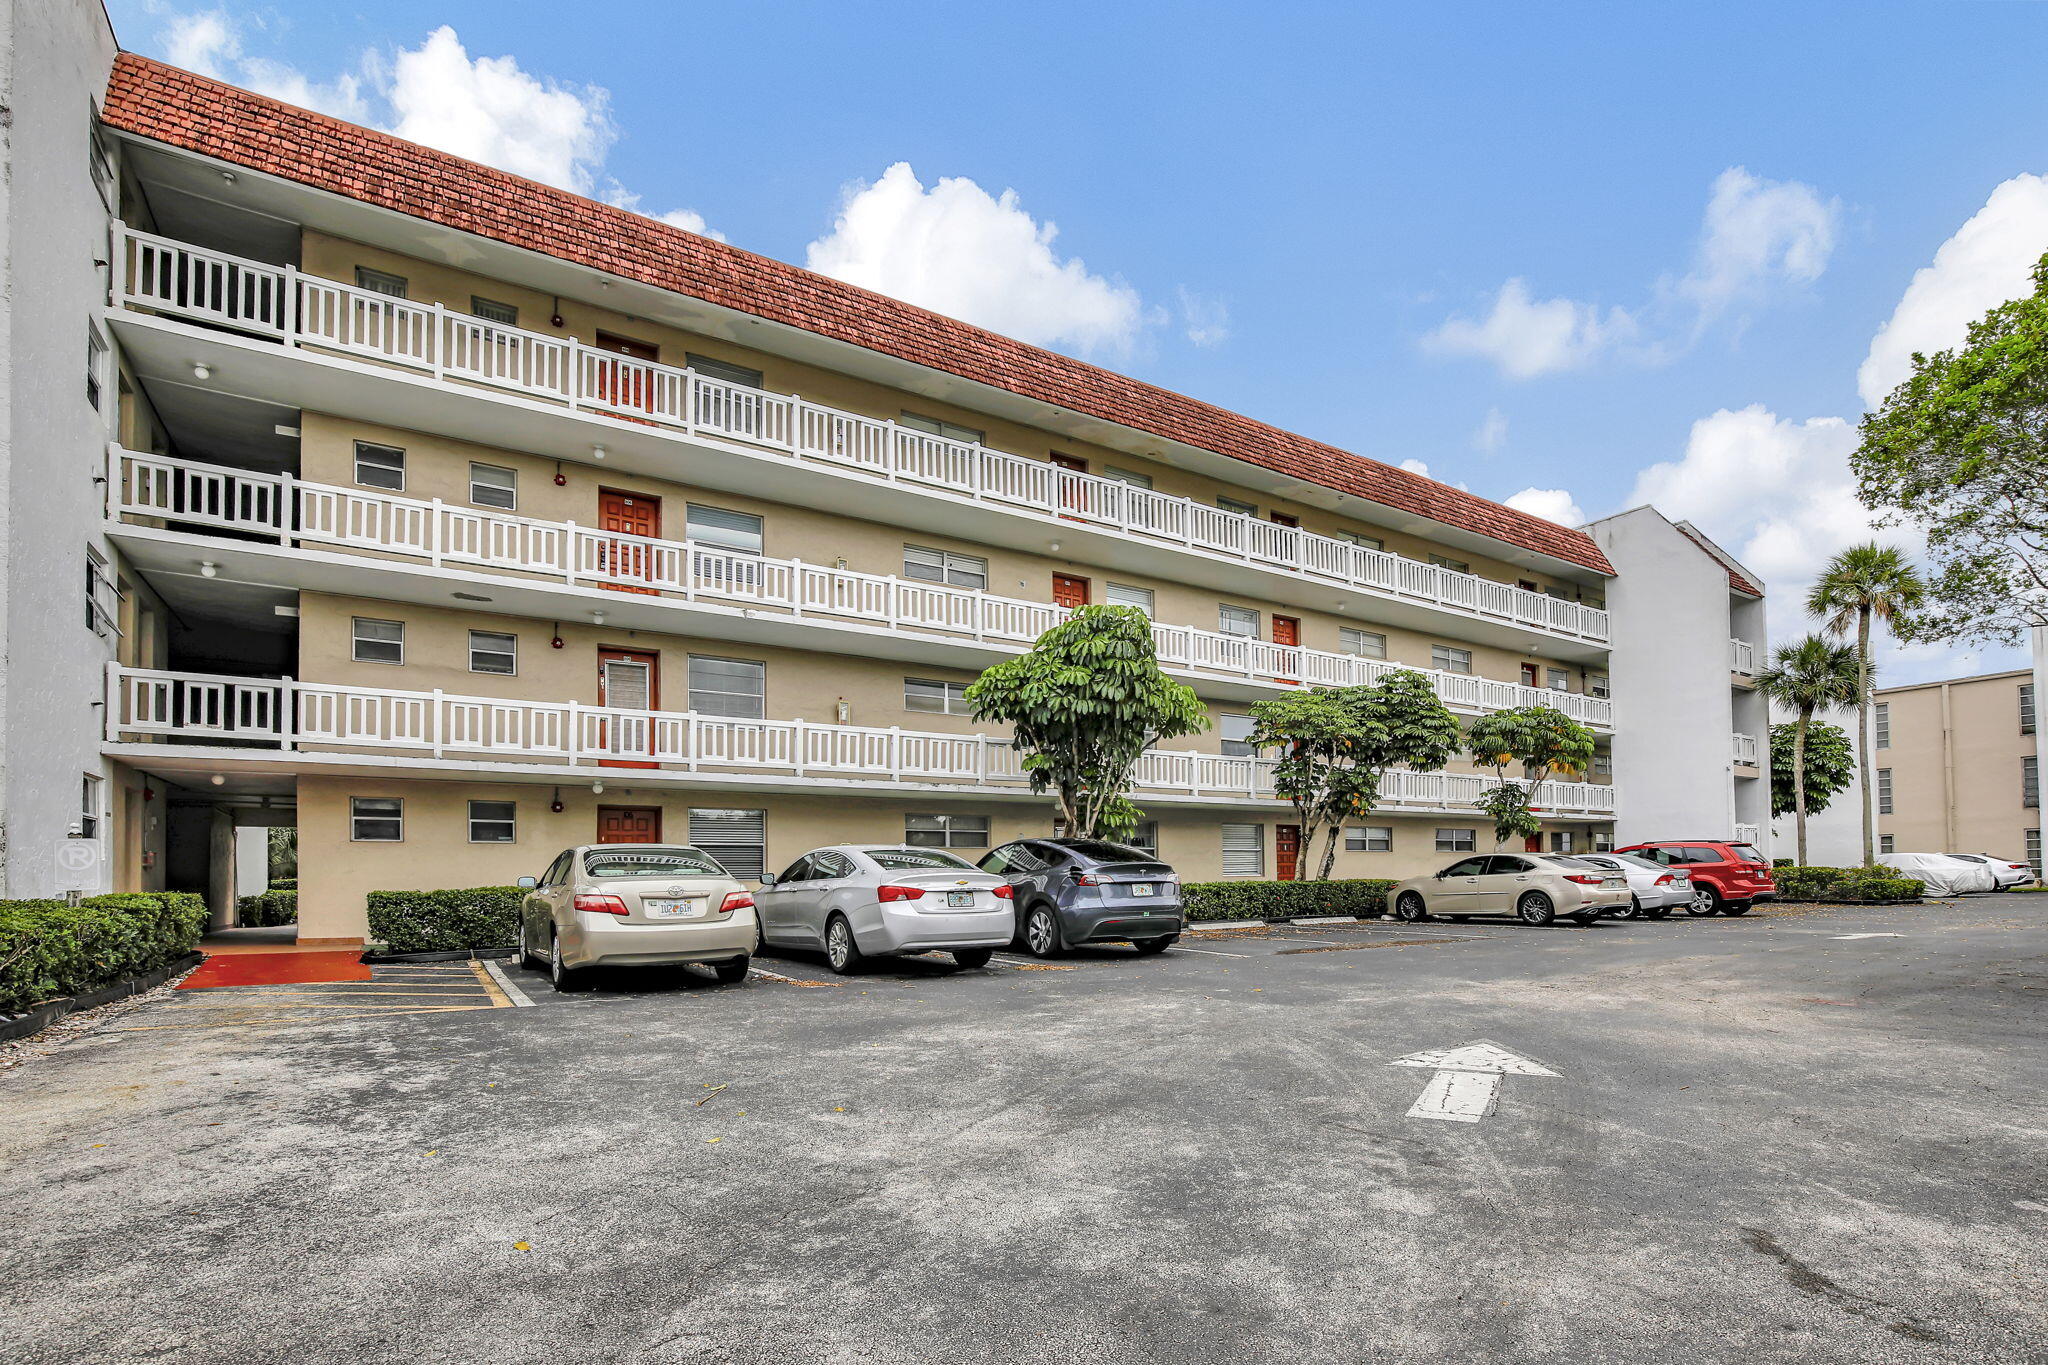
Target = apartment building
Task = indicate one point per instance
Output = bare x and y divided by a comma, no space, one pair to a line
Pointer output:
455,519
1957,767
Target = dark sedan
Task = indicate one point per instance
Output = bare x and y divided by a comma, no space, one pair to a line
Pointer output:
1074,891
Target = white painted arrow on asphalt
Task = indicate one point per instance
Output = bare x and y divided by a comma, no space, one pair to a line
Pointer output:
1869,936
1467,1080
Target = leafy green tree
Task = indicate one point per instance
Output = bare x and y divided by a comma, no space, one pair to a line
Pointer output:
1541,741
1086,701
1829,768
1334,746
1862,585
1959,452
283,852
1809,675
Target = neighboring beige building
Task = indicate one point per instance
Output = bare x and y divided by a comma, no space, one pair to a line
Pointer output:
1957,769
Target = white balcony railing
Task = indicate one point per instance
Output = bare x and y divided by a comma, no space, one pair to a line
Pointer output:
287,715
1748,834
1745,749
1742,657
278,302
292,510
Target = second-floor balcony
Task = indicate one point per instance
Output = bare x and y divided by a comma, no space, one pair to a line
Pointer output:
288,719
1747,750
232,294
1742,658
191,494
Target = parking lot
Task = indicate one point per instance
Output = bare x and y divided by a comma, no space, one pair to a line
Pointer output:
1807,1134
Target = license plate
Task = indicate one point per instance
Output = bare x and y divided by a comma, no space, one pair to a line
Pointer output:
1144,889
959,900
1612,882
686,909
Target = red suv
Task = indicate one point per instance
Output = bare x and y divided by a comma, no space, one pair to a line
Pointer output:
1726,876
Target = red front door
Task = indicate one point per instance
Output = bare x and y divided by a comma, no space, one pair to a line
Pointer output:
1287,851
1528,675
1283,519
629,824
627,514
1287,631
1073,493
620,383
1069,591
629,679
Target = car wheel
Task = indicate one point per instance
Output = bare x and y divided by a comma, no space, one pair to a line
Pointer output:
1042,931
1633,910
733,970
1705,901
973,957
842,954
760,936
564,977
1410,908
1148,946
1534,908
1735,908
1661,912
1586,919
527,959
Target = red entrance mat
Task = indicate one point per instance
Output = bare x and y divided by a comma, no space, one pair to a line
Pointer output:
277,969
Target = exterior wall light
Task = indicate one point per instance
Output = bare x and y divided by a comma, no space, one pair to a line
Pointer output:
597,789
597,452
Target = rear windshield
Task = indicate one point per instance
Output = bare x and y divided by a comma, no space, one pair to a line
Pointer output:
1102,851
652,862
917,860
1743,853
1562,860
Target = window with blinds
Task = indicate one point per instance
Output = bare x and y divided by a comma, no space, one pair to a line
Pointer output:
1123,595
934,426
1369,839
719,527
724,370
1244,850
1366,644
493,486
1881,724
738,839
727,687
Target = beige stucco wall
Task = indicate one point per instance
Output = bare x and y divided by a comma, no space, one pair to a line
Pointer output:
1955,762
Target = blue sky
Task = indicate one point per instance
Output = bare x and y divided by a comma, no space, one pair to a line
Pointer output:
1312,214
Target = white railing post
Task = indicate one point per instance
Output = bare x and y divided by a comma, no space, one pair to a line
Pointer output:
437,339
288,312
573,742
434,724
112,703
287,512
287,712
434,532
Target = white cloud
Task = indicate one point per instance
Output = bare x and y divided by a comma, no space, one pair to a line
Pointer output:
1415,466
958,250
1526,337
689,220
1492,433
1551,504
1757,233
204,42
1206,321
1984,264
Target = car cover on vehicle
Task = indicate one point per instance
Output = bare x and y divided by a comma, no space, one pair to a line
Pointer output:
1944,876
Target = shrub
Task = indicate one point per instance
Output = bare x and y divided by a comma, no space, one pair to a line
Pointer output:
446,921
1846,885
50,949
1284,900
283,884
266,908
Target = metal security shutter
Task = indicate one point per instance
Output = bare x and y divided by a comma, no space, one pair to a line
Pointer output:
1244,850
737,838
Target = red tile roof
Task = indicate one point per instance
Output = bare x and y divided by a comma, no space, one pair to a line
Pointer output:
188,111
1736,580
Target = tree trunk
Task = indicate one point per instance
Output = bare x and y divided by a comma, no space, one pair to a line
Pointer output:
1863,732
1330,852
1799,780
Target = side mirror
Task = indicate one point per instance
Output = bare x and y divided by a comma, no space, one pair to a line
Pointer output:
767,879
1443,873
527,883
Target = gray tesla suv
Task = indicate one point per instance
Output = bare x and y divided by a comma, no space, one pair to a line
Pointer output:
1075,891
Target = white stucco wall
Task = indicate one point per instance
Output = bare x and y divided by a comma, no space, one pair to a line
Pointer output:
54,60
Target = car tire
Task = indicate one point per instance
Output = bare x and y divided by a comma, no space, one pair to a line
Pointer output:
1705,901
842,950
973,957
563,977
1535,908
527,957
760,936
1735,908
1586,919
1149,946
1661,912
1410,908
1633,910
1042,931
732,970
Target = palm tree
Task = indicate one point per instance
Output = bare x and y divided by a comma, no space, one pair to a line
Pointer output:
1810,675
1861,583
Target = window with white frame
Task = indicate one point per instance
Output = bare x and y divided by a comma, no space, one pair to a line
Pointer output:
945,831
725,371
1244,850
1557,679
493,486
380,466
738,839
91,796
2030,782
1596,684
1243,509
1236,733
1884,791
378,642
493,822
490,310
1450,659
1237,620
721,528
376,819
935,426
1130,477
1145,838
102,595
1454,565
727,687
1603,841
1450,840
1603,765
1366,644
99,164
380,282
1123,595
1884,844
1364,542
1561,841
936,698
492,651
944,566
1881,724
95,366
2026,708
2034,852
1369,839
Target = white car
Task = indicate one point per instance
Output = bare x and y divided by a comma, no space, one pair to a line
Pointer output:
2005,871
1654,889
1943,875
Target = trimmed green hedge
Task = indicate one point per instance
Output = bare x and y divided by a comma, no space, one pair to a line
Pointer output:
50,949
267,908
446,921
283,884
1846,885
1284,900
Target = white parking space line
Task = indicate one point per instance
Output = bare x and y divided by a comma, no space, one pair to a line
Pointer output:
520,999
1206,952
1847,936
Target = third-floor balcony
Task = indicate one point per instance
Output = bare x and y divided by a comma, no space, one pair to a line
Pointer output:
205,498
634,406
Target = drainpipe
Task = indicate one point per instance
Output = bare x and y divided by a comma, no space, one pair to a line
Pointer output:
1948,772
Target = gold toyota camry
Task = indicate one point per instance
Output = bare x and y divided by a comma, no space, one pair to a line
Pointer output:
634,905
1536,888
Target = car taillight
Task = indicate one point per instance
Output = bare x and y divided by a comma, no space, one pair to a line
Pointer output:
735,900
899,893
1665,880
1582,878
1086,879
601,905
1003,892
